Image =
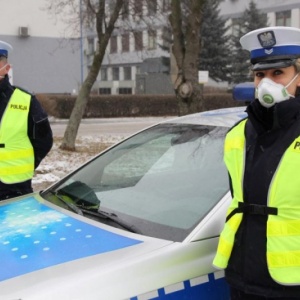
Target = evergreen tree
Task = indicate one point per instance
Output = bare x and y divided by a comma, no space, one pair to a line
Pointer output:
251,19
215,48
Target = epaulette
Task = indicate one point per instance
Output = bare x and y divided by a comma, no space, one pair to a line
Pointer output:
23,90
237,123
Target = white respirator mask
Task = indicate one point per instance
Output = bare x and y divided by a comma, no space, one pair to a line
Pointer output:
269,92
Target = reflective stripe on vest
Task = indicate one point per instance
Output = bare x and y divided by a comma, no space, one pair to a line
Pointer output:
283,228
16,151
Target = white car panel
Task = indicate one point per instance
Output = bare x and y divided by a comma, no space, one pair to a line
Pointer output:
48,252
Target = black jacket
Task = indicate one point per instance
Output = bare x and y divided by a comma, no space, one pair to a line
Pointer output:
268,134
39,133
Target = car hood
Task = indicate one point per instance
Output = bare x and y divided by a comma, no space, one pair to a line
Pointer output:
47,252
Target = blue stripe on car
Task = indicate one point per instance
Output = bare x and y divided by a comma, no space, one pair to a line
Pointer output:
212,287
34,236
223,113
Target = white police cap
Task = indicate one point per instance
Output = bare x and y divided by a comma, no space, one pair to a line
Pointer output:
272,47
5,48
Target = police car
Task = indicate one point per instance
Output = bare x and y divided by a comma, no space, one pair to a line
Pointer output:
139,221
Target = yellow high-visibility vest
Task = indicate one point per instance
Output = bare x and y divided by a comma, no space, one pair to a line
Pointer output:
234,147
283,228
16,151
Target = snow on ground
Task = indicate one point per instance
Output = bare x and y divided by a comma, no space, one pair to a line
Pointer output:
59,163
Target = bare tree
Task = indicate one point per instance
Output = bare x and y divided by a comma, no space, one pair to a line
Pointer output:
102,15
185,19
89,12
104,31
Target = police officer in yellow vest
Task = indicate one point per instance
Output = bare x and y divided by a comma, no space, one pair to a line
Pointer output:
25,134
259,247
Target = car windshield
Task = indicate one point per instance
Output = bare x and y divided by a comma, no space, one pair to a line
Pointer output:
162,181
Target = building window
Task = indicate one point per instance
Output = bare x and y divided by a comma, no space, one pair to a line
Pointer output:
166,5
138,40
125,10
138,70
104,74
105,91
90,47
125,91
113,44
151,39
152,7
138,7
166,37
115,73
283,18
125,42
127,73
111,6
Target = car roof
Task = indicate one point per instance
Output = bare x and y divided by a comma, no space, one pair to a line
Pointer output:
226,117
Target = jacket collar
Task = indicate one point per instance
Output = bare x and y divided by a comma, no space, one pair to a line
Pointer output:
281,115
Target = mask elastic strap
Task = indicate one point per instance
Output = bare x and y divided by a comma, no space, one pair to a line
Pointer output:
1,76
292,80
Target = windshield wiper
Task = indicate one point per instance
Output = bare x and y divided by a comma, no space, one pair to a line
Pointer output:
112,217
97,213
72,206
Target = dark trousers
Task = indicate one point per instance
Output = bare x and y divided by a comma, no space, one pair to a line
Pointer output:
239,295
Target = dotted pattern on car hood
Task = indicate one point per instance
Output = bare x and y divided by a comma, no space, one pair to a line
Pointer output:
34,236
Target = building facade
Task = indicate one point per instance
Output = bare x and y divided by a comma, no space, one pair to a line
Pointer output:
45,57
123,69
48,57
136,42
279,12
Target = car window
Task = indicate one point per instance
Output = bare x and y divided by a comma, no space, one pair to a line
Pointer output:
163,180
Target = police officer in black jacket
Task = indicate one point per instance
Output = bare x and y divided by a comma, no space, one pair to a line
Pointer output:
25,134
259,247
